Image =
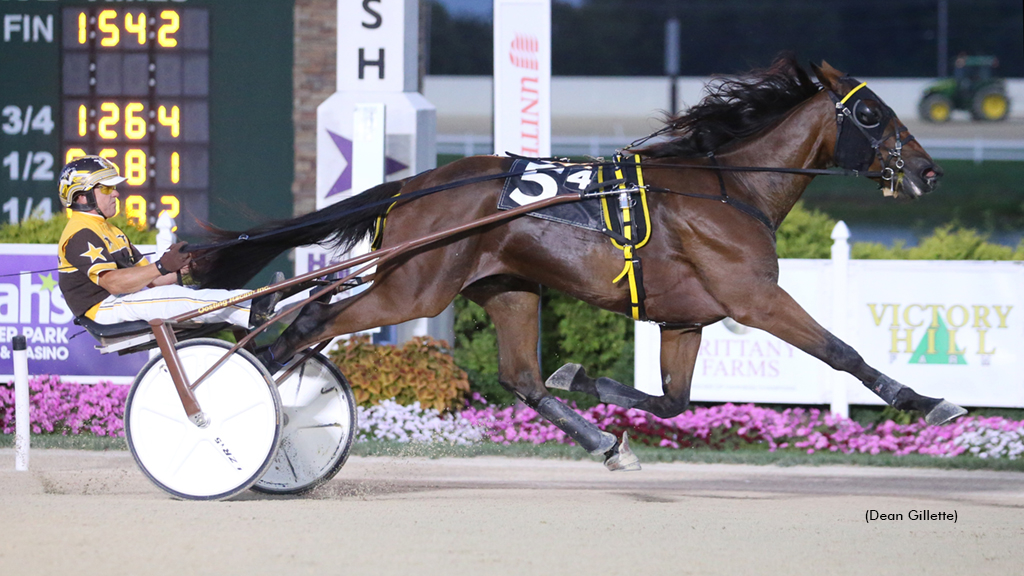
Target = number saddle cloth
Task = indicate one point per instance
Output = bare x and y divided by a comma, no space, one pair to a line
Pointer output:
615,204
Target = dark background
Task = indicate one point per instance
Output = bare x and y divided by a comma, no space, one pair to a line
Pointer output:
626,37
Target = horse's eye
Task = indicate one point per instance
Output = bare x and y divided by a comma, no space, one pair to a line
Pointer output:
867,115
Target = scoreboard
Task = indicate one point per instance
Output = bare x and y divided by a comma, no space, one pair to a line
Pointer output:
131,81
134,89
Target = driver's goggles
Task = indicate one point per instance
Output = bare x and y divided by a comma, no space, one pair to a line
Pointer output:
105,190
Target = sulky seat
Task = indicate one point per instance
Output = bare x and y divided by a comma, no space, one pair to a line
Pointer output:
136,336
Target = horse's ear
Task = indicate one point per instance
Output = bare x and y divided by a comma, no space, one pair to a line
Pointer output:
827,75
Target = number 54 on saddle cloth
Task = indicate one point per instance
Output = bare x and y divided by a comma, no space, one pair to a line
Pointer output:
618,210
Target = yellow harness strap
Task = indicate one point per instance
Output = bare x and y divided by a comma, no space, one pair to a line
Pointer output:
628,253
378,226
851,92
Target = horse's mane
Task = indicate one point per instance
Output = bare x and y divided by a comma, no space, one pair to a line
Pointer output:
735,108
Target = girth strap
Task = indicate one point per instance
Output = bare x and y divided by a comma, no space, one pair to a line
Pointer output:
629,241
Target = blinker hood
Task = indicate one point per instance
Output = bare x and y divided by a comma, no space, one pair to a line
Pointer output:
857,144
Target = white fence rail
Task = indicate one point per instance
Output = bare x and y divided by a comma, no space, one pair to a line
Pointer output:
951,329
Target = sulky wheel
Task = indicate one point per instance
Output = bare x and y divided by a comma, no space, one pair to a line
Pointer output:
319,427
935,107
223,458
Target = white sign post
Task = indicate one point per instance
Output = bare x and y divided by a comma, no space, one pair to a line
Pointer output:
377,74
522,77
378,45
840,318
22,415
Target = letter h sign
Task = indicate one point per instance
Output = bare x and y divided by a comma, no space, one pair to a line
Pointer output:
377,45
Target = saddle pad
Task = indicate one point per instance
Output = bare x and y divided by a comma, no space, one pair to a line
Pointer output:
548,179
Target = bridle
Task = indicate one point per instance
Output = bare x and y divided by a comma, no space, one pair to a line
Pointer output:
856,150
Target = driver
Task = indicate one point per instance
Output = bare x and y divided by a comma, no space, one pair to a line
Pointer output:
106,279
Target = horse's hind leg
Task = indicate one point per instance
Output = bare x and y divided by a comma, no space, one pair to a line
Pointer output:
678,356
394,299
777,313
512,306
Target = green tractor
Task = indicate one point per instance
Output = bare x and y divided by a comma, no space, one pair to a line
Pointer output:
974,87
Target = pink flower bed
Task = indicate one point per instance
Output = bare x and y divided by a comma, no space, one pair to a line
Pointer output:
730,426
68,408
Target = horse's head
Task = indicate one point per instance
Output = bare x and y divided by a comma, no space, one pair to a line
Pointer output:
869,137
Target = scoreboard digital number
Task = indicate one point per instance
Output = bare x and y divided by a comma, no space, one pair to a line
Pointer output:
133,88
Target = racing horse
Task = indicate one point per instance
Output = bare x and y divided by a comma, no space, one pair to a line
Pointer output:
723,179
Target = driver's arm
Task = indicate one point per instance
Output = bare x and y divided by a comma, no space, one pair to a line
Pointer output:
130,280
164,280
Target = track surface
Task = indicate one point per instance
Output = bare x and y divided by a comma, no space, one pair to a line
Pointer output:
95,513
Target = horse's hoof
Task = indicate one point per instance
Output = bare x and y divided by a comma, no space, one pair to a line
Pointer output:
563,377
944,412
620,457
266,357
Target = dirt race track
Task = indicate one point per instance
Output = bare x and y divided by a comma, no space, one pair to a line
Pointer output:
86,513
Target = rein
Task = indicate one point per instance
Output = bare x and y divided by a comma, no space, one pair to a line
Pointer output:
502,175
892,177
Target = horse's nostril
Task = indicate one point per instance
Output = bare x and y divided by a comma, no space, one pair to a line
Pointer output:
929,174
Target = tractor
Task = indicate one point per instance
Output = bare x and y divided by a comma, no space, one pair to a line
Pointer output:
973,87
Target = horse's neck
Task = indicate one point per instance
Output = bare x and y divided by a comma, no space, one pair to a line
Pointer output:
803,139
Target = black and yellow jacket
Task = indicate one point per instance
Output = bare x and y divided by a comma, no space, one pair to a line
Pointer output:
89,245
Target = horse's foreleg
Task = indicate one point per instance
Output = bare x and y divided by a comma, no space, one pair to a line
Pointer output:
513,309
778,314
678,355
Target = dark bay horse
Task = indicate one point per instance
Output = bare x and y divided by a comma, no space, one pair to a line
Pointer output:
706,259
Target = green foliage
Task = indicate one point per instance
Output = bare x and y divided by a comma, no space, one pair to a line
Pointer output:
33,231
421,370
572,331
805,233
600,340
986,196
948,242
476,351
39,231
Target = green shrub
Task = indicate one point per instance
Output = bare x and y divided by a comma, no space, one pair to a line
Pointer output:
421,370
600,340
476,351
572,331
805,233
39,231
947,242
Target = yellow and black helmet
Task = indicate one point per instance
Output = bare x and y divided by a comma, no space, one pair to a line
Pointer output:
83,174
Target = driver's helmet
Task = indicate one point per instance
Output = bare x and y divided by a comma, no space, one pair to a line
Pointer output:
83,174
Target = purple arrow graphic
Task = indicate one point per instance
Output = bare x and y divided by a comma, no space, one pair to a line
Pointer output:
344,182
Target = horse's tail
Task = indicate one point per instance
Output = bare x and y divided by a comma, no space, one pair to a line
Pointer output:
341,225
